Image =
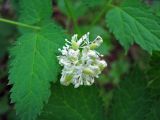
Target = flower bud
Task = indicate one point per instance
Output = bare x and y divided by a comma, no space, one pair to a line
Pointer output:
93,46
96,69
73,54
102,64
75,45
92,54
66,79
88,71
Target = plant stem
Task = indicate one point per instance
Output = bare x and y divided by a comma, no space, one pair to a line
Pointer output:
67,4
101,13
19,24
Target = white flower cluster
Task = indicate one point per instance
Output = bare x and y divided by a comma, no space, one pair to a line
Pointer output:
81,62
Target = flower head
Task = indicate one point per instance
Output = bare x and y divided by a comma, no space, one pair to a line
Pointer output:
81,62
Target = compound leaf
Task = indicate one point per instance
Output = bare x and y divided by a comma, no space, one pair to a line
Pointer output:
154,71
154,86
131,24
33,66
130,101
153,114
35,11
73,104
33,63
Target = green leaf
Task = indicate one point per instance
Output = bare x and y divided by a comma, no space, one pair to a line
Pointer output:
106,98
118,68
35,11
69,103
79,7
153,75
76,7
93,3
154,71
131,24
154,111
130,101
12,115
33,66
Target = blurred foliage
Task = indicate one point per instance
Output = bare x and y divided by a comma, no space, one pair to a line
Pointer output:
15,6
125,92
117,69
154,73
79,7
130,101
107,96
6,35
1,87
156,7
4,106
78,106
107,46
153,113
1,1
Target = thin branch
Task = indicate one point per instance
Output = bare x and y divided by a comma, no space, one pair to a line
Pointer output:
19,24
67,4
101,13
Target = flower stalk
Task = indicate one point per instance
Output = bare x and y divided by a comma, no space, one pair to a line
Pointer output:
19,24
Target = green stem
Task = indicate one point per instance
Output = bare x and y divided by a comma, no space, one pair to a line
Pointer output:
67,4
19,24
106,6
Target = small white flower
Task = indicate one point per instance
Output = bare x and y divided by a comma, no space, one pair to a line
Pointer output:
81,62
